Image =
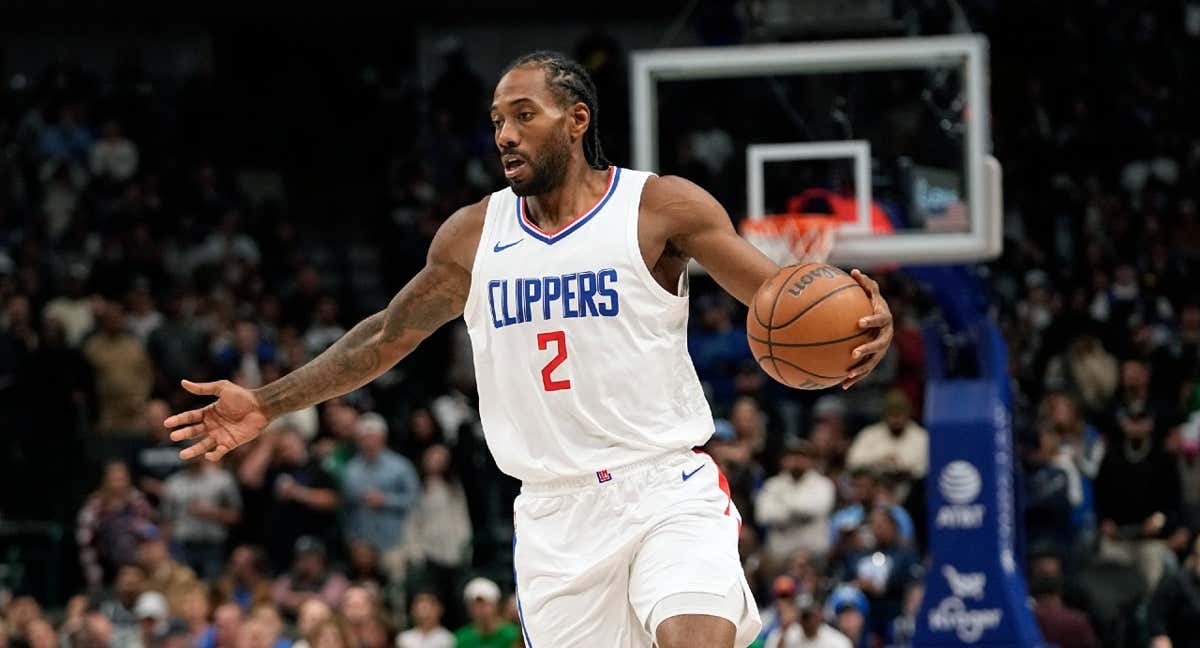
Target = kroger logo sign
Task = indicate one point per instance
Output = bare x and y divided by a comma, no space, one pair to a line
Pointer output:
951,614
960,483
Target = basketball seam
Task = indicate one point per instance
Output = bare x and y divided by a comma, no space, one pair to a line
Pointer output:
812,344
811,373
812,305
771,317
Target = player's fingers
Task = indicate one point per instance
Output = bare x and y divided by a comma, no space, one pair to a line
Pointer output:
189,432
866,282
197,449
878,320
184,418
204,389
216,453
870,348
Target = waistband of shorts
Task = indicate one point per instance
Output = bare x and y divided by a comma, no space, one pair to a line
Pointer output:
602,477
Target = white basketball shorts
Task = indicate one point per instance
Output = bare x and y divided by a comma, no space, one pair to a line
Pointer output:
601,561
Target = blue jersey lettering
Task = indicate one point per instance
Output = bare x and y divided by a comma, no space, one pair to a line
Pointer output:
568,296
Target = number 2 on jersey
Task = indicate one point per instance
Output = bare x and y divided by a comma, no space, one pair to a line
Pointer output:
560,340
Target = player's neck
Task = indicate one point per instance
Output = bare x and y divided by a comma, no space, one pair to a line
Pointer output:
581,188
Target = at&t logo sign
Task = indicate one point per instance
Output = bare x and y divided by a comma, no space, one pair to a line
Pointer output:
959,483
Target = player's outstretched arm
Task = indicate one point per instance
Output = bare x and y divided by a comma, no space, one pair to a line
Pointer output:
691,221
436,295
694,223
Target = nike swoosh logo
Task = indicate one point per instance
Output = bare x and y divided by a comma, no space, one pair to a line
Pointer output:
688,475
501,248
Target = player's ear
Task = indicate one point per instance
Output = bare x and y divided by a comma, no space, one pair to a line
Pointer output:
578,119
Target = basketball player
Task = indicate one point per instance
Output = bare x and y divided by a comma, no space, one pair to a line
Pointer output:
572,284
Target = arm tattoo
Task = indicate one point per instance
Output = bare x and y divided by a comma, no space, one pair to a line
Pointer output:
432,298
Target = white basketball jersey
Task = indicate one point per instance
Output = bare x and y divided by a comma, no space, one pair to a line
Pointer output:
580,355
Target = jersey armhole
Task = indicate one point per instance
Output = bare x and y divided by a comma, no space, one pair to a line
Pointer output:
639,262
494,202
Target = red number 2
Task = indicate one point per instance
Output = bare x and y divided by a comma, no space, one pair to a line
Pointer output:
559,338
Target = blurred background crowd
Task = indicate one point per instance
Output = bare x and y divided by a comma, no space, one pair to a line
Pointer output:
231,215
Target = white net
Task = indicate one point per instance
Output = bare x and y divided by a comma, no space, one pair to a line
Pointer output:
791,238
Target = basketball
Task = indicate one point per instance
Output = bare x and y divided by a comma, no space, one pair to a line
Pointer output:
803,325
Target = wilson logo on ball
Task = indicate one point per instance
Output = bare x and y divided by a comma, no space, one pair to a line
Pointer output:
823,271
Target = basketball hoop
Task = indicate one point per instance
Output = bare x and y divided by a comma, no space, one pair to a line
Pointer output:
792,238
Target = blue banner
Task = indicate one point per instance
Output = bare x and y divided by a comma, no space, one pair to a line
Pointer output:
974,591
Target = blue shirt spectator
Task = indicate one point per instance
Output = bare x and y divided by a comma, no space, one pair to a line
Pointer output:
380,487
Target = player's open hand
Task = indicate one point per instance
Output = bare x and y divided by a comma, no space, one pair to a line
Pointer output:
224,424
871,353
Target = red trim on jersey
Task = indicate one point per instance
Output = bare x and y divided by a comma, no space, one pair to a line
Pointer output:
723,484
611,174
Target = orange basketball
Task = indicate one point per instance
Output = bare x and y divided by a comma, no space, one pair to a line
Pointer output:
803,325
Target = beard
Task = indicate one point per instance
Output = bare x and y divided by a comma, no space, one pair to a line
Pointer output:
547,171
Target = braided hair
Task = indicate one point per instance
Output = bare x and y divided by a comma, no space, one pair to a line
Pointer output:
571,83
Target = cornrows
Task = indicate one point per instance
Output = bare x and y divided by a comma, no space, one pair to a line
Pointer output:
571,83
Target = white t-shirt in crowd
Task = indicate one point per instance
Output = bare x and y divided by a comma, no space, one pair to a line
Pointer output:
793,637
439,637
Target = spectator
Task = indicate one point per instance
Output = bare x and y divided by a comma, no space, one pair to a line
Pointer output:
193,611
884,572
1048,502
1060,625
107,525
301,497
242,358
330,633
1138,526
256,633
341,422
782,611
380,488
441,526
1086,371
795,506
272,623
163,573
243,582
313,612
66,140
154,463
40,634
486,629
310,575
325,329
427,630
177,344
805,627
1135,402
114,157
152,614
118,607
124,373
896,446
846,525
849,609
19,613
143,318
1174,612
358,607
1081,451
829,448
376,633
223,633
97,632
363,566
201,503
717,349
